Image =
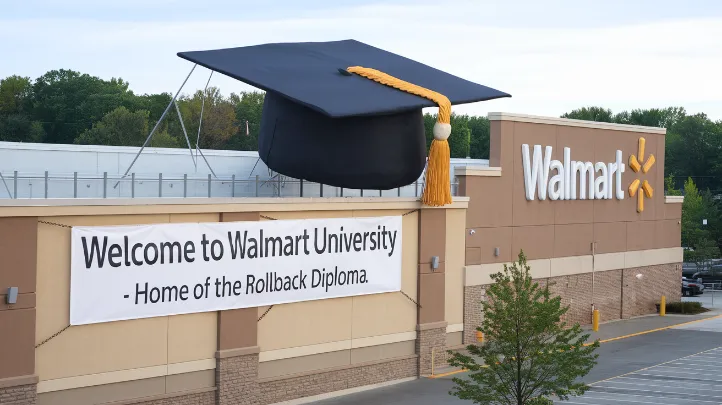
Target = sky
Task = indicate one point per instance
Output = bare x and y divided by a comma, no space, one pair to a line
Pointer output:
552,56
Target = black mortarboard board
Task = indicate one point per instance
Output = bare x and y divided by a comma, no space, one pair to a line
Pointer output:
325,123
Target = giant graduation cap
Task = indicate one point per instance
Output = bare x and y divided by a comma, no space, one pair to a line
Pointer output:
347,114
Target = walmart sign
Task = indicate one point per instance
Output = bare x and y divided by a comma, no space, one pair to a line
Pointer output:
558,179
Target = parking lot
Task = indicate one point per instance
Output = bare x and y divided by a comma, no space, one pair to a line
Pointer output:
680,365
690,380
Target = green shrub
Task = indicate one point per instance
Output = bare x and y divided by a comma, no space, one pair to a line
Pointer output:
687,307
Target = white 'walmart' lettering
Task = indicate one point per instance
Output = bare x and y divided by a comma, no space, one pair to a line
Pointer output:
563,185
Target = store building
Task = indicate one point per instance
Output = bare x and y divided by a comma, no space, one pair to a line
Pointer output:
617,251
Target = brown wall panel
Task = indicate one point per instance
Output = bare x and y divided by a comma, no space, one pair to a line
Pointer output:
641,235
490,201
491,197
18,248
25,301
668,234
610,237
473,256
573,240
574,212
17,343
660,211
536,241
237,328
426,268
673,211
240,216
431,297
432,235
491,238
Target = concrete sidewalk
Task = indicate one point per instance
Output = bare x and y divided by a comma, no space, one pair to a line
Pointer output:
618,329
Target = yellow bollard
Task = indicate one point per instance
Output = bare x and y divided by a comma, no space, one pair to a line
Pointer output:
595,320
663,306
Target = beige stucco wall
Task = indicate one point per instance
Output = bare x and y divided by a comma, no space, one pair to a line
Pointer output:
364,328
113,346
343,319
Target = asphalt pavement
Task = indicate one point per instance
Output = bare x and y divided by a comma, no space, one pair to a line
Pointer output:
672,365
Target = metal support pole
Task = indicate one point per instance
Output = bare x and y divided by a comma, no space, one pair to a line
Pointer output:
132,186
200,122
233,185
185,185
46,184
416,188
207,164
341,191
183,127
399,191
256,185
279,185
15,184
6,185
301,187
105,184
320,188
160,185
381,193
362,192
209,186
157,124
75,185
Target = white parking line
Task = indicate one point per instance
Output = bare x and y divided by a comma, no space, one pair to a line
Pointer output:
667,376
615,399
665,392
688,380
684,384
716,389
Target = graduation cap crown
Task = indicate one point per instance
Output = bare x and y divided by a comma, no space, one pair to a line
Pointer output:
347,114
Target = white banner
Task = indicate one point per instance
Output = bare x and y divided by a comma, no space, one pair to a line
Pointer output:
141,271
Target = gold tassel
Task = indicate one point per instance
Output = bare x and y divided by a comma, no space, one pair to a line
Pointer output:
437,190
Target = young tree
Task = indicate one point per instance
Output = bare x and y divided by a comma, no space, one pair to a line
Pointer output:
530,354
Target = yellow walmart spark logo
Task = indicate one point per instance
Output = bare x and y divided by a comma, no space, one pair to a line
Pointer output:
636,167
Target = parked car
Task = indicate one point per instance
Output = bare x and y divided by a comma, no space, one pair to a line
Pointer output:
690,288
711,276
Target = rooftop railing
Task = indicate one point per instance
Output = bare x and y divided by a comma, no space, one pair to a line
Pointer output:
15,185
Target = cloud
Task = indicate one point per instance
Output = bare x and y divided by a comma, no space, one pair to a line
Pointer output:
547,70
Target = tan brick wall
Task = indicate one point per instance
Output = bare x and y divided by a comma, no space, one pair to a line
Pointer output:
473,314
641,295
576,292
608,294
237,380
617,294
20,395
201,398
286,389
426,341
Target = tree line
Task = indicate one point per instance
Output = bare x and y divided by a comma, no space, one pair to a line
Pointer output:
66,107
